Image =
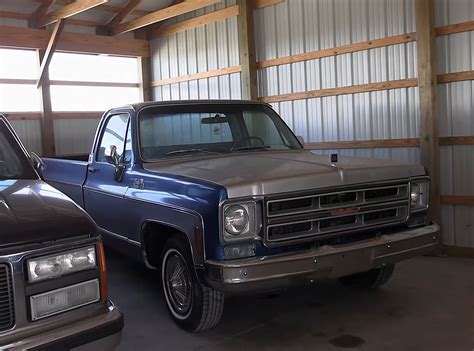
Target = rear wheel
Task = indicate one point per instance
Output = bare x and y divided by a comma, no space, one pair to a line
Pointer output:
372,279
192,306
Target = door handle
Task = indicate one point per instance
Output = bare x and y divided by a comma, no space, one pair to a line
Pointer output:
92,169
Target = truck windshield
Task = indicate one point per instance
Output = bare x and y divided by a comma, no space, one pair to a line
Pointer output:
13,163
183,131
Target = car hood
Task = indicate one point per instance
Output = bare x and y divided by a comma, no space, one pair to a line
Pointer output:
265,173
31,211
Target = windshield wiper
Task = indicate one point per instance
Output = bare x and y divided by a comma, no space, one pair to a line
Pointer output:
186,151
251,148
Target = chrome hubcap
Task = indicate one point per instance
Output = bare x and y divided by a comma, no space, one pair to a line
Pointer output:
178,284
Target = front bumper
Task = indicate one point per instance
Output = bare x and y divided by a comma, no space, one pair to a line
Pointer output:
271,272
98,332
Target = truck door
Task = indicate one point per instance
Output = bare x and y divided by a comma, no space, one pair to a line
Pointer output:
103,192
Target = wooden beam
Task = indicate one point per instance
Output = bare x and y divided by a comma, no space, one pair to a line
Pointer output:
258,4
69,10
40,12
345,49
457,200
118,18
78,115
455,77
197,76
248,58
48,54
161,15
22,116
353,89
14,15
18,37
456,140
108,8
455,28
426,58
195,22
70,83
363,144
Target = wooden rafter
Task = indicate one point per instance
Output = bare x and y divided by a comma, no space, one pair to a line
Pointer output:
161,15
69,10
48,55
41,10
119,17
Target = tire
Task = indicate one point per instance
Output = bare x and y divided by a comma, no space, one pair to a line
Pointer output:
372,279
192,306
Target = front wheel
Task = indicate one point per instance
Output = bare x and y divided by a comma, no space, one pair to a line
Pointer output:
372,279
192,306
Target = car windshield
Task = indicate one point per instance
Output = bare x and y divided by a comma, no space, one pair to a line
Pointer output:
13,163
184,131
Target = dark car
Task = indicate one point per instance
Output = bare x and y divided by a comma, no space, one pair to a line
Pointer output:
53,288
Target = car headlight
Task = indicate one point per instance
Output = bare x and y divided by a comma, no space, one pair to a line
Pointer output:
240,221
419,194
53,266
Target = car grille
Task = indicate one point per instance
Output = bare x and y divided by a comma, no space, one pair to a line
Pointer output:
7,310
316,216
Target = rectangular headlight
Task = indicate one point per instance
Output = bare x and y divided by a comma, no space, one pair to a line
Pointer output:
64,299
419,194
54,266
240,221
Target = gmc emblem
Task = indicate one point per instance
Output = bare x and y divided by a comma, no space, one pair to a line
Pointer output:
344,211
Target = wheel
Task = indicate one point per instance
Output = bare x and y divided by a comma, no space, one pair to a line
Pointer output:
372,279
192,306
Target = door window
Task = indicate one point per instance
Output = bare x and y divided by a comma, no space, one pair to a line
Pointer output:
115,132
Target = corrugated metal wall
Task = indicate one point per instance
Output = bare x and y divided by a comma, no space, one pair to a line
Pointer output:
201,49
456,114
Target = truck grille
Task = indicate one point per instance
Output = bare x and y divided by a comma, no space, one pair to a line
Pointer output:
316,216
7,310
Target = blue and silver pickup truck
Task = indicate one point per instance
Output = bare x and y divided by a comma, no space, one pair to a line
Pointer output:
222,198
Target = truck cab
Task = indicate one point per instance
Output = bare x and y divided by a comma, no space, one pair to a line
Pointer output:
222,198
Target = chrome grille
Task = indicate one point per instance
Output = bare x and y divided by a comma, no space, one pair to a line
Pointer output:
310,217
7,311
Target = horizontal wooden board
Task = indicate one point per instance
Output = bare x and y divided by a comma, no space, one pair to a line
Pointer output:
22,116
457,200
455,77
459,251
454,28
457,140
195,22
354,89
345,49
363,144
78,115
258,4
196,76
30,38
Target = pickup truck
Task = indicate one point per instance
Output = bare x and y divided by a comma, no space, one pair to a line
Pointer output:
222,198
53,287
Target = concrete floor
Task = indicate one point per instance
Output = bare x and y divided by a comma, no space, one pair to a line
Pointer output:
428,305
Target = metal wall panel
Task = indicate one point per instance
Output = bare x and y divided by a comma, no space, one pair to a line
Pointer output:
74,136
200,49
29,132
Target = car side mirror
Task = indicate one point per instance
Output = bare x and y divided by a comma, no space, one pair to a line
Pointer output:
301,140
110,155
37,162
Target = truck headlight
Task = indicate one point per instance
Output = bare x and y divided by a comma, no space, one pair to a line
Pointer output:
64,299
240,221
53,266
419,194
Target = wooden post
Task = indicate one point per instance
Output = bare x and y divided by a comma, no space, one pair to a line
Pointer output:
248,59
144,71
426,55
47,124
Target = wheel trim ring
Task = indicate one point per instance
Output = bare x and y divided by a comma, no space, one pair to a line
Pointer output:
170,298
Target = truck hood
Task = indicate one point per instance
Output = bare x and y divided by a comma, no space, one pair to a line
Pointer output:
265,173
31,211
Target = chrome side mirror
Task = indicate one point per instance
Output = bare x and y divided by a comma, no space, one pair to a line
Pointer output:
37,162
301,140
110,154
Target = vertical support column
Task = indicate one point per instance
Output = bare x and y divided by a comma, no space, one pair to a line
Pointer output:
47,124
144,71
248,59
427,86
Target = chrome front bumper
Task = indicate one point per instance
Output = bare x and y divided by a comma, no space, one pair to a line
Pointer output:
271,272
98,332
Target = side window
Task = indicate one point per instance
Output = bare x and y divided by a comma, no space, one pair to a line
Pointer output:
114,135
127,156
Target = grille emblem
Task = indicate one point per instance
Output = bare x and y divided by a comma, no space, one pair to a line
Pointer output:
345,211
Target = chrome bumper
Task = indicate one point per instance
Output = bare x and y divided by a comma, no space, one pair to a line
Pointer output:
271,272
99,332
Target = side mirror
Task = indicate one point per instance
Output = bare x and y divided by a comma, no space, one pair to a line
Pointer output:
37,162
110,154
301,140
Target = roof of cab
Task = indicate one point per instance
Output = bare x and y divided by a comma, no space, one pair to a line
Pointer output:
141,105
